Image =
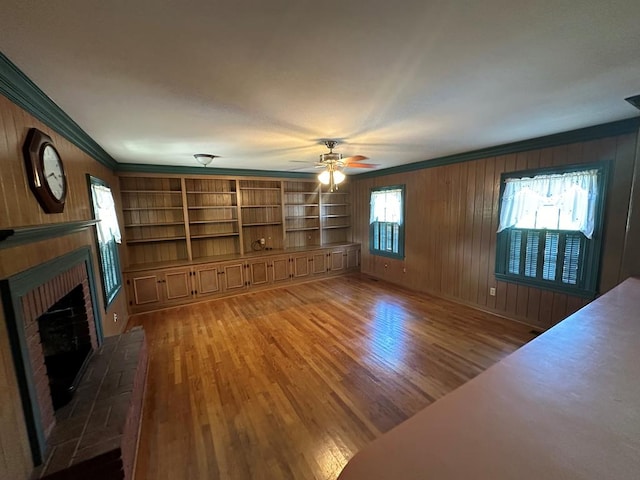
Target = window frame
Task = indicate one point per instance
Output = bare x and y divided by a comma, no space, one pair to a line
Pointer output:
401,227
107,296
591,259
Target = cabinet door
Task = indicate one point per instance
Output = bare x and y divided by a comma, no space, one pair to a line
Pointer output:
353,257
233,276
301,266
280,267
207,282
337,260
258,272
177,285
318,263
145,289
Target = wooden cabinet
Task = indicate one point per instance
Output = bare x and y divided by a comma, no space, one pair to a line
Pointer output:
344,258
194,225
318,262
150,289
337,260
310,263
157,288
145,289
218,278
268,270
280,268
258,271
233,277
300,265
207,281
176,284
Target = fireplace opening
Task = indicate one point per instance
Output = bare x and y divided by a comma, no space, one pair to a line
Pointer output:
66,343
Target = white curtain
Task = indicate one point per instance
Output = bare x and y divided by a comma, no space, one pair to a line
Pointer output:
560,201
386,206
105,211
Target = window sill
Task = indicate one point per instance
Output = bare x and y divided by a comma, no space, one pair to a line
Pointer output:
380,253
550,286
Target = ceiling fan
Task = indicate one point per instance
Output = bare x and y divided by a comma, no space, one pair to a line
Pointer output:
334,163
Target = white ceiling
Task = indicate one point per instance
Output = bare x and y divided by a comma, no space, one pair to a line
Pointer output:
261,82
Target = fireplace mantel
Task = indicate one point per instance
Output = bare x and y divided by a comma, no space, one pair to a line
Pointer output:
12,237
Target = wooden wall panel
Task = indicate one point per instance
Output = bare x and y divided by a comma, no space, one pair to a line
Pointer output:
18,207
451,223
631,259
617,211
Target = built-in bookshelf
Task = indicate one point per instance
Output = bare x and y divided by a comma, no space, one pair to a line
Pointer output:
212,206
176,219
261,212
153,219
302,213
336,216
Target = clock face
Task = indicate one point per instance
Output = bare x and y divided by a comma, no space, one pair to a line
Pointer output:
53,173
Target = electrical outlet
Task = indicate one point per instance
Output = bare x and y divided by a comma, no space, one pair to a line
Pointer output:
115,318
262,241
492,291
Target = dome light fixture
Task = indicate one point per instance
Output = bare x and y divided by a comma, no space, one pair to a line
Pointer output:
205,158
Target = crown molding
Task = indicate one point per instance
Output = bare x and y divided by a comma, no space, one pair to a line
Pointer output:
620,127
18,88
235,172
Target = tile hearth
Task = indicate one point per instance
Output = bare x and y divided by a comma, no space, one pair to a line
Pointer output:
95,435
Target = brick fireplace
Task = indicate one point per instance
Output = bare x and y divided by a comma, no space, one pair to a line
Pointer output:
33,300
55,334
36,306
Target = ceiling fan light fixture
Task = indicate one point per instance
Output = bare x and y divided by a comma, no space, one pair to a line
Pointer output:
330,157
204,158
338,177
325,177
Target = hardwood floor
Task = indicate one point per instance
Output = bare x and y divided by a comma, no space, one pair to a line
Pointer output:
292,382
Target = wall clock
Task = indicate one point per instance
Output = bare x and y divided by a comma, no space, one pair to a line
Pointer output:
45,171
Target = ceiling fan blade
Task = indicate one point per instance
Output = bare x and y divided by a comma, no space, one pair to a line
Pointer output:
355,158
299,168
361,165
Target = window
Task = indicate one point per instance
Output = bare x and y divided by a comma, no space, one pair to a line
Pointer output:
108,236
550,228
386,222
